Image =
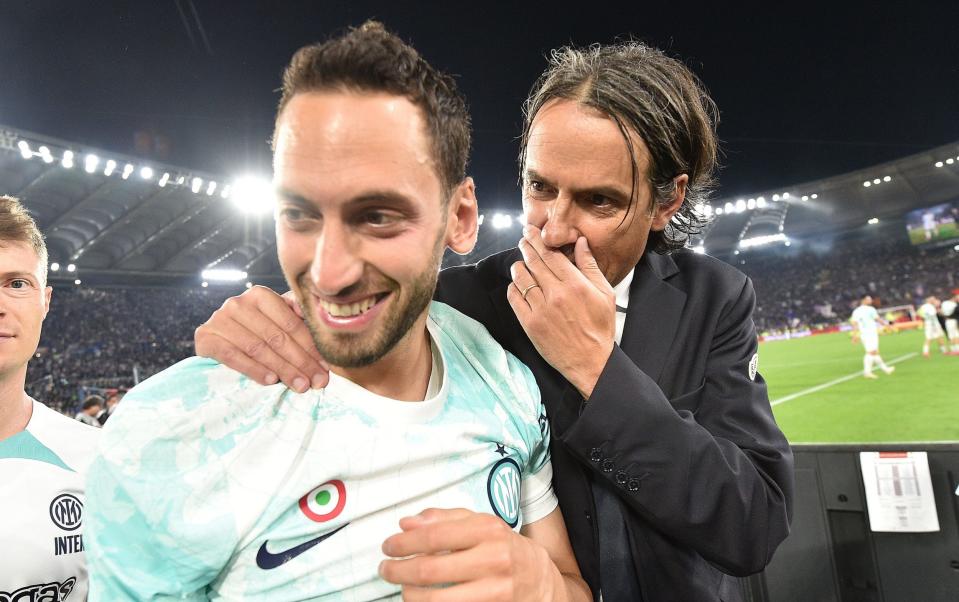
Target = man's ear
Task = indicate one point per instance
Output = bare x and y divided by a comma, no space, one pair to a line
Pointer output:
664,213
47,294
462,221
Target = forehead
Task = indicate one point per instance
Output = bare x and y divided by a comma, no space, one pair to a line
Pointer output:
335,143
17,256
583,145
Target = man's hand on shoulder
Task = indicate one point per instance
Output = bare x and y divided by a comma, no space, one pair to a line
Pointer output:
263,335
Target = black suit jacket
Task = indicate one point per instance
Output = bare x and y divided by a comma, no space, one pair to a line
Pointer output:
676,422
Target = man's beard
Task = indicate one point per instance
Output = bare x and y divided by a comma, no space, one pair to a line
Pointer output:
356,350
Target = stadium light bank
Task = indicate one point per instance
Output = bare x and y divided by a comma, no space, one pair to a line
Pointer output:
223,275
758,241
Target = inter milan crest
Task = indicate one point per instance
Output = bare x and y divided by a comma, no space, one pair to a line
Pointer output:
503,489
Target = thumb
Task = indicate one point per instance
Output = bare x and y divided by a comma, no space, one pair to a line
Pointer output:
587,263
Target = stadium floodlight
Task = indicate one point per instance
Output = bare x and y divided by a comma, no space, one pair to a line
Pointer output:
223,275
740,206
950,161
887,179
699,249
728,207
71,267
77,282
253,194
876,181
127,170
111,165
814,196
196,184
211,188
707,210
249,285
719,210
805,197
67,160
225,193
761,198
46,155
787,243
502,221
761,202
146,173
90,163
25,151
751,203
939,163
873,221
164,179
479,222
54,267
180,180
785,195
736,252
867,183
775,197
757,241
205,284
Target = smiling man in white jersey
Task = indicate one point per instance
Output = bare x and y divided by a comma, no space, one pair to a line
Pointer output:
43,454
929,312
427,426
866,321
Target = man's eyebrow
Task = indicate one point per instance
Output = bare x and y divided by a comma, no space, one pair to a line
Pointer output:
607,191
364,198
18,274
288,196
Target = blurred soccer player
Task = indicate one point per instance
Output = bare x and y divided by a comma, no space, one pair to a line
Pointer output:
208,484
43,454
92,411
866,321
948,310
929,312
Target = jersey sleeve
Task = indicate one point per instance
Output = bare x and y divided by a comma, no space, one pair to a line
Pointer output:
537,499
152,527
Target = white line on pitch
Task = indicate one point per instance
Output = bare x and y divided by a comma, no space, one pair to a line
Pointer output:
841,379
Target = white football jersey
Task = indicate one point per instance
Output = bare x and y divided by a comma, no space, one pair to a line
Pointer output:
949,309
865,317
43,469
927,311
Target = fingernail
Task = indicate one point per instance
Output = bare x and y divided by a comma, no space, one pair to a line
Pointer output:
272,379
318,381
300,385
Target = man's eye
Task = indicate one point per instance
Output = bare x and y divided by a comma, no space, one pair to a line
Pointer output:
292,215
19,283
379,218
536,186
598,200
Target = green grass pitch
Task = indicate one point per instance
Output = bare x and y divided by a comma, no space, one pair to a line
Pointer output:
919,402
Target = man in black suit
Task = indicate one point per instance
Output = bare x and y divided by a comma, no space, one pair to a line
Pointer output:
670,470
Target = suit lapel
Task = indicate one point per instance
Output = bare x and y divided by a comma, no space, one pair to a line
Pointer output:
655,308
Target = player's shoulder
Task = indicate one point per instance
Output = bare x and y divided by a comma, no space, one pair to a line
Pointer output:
472,354
192,399
71,441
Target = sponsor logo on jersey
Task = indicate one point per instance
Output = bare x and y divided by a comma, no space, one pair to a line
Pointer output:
54,591
503,490
753,366
67,544
66,511
321,504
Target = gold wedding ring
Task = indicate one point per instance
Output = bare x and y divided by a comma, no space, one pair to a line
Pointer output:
528,289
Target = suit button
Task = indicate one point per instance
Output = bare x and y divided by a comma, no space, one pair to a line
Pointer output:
589,517
621,477
608,466
633,485
596,454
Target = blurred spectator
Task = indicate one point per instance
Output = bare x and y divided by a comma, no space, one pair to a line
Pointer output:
91,411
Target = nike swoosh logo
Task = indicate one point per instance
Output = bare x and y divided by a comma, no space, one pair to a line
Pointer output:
267,560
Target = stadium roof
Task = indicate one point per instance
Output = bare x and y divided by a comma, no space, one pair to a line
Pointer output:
121,219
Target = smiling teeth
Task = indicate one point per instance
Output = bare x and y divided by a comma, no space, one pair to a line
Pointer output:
348,310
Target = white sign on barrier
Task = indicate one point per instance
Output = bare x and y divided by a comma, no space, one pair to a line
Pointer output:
899,493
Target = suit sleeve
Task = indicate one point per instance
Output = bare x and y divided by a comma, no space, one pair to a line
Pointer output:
709,469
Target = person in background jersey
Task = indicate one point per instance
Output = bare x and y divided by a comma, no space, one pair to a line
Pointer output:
43,454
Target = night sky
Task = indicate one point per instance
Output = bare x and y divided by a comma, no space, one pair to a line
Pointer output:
804,93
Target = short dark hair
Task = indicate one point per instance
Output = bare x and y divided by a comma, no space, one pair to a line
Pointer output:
371,59
92,400
658,98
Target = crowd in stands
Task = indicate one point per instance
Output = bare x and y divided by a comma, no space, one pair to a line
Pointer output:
109,338
818,287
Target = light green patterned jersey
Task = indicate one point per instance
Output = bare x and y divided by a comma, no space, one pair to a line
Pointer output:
207,485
